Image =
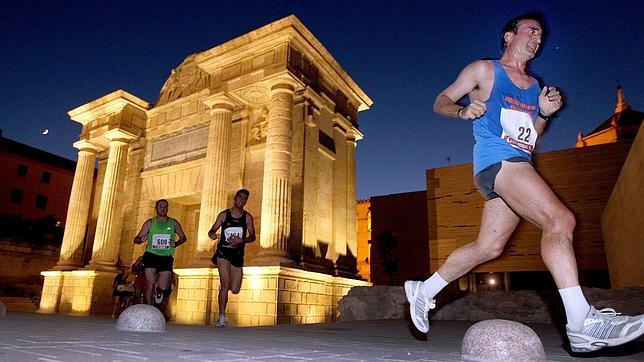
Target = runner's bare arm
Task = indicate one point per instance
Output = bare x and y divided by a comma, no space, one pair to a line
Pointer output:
473,80
250,227
550,101
142,235
212,233
179,231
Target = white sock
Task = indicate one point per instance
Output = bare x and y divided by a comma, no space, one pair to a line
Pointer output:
433,285
576,306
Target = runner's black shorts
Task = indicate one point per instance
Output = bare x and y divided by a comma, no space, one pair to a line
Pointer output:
158,262
234,255
484,180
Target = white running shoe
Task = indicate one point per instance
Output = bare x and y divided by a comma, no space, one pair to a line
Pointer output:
605,328
221,321
419,305
158,296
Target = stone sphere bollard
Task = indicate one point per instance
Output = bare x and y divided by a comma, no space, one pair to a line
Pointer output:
501,340
3,310
141,318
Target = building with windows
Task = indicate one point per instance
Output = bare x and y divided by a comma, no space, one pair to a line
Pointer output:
34,183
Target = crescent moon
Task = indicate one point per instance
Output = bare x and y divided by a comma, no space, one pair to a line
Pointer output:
45,131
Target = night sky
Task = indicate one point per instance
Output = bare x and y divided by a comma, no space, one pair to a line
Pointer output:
57,55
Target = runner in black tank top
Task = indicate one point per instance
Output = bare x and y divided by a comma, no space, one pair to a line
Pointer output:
233,253
229,256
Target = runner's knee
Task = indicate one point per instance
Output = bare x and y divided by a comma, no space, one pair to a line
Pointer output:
225,286
489,250
492,252
562,222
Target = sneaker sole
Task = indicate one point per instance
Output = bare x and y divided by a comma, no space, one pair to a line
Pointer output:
597,344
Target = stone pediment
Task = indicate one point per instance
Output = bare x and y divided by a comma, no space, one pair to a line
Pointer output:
184,80
285,46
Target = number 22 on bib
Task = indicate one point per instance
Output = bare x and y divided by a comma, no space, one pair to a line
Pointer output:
518,129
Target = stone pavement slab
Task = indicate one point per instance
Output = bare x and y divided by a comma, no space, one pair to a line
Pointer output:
39,337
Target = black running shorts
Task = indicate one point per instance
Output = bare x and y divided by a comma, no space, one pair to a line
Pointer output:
158,262
484,180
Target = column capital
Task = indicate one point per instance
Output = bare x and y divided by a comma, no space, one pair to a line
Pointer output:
219,101
87,146
120,135
284,83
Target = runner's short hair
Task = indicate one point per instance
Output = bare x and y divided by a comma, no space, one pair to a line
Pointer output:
242,191
159,201
513,24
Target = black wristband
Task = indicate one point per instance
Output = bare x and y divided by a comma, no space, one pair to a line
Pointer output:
542,116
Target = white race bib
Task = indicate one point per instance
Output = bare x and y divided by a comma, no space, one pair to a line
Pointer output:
233,231
161,241
518,129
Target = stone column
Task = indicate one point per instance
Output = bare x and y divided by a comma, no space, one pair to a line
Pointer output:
71,250
109,223
352,233
338,249
310,249
276,195
215,170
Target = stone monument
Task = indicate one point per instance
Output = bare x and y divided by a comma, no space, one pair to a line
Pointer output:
270,111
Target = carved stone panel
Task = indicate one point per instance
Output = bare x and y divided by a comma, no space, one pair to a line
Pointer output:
188,145
184,80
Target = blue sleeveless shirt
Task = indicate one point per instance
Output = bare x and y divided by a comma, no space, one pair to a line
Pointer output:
505,130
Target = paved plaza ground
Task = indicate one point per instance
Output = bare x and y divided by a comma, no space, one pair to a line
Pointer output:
39,337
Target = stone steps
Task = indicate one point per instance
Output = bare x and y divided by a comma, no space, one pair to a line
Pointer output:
19,304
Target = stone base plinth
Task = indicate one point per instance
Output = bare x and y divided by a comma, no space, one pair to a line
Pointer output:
269,295
77,292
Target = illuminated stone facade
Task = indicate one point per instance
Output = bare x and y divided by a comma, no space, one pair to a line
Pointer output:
623,124
270,111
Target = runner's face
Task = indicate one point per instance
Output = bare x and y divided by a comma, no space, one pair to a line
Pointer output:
162,209
240,200
527,38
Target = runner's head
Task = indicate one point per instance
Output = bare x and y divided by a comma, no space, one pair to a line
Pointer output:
513,25
161,207
241,197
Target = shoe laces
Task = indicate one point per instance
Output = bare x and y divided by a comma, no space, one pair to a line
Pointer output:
429,304
609,315
609,312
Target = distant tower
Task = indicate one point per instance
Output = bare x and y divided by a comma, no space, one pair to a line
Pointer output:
622,125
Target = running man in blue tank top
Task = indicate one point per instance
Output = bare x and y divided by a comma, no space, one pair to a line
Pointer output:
509,111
